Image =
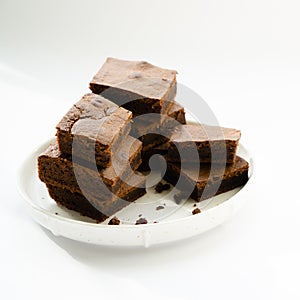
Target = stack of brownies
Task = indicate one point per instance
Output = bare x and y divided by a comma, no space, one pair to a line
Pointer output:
202,160
107,138
93,158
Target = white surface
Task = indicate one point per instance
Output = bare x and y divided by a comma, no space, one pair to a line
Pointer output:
242,57
176,222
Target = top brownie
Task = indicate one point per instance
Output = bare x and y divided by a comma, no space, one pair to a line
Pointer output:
92,128
135,85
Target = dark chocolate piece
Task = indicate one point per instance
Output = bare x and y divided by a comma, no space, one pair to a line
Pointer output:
54,168
213,144
206,185
135,85
97,126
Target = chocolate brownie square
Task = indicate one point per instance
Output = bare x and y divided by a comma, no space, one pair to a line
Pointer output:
135,85
93,128
98,207
209,143
207,180
57,169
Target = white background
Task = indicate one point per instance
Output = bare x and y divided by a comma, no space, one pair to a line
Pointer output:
242,57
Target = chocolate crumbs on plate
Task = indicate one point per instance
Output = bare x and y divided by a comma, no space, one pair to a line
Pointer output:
114,221
141,221
178,198
160,207
196,211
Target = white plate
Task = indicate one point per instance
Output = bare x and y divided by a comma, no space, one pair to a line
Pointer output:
179,225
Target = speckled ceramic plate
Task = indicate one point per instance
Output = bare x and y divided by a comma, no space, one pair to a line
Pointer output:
178,225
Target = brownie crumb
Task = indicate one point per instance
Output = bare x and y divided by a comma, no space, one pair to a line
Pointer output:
178,198
56,213
155,222
196,211
160,187
141,221
139,215
160,207
195,205
114,221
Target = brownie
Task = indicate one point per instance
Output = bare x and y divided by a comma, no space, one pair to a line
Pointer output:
152,141
177,112
56,169
202,184
141,125
174,117
154,129
99,208
97,127
146,156
135,85
209,143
